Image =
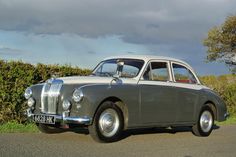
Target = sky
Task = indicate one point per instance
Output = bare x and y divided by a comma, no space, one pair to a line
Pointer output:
81,32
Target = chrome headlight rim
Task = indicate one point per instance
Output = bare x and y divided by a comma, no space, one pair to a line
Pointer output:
77,95
28,93
66,105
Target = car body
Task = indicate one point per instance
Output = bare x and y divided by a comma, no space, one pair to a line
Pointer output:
126,92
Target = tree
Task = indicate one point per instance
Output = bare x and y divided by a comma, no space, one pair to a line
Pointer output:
221,42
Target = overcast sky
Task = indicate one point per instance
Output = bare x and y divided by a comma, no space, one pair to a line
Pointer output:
82,32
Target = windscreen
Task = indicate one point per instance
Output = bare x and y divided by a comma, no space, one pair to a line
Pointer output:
108,68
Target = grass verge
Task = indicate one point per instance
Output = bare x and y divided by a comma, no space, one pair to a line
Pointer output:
14,127
230,120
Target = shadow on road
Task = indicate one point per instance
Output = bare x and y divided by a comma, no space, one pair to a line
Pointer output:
80,130
127,133
169,130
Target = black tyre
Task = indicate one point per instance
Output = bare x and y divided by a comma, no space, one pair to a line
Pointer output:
205,122
48,129
108,123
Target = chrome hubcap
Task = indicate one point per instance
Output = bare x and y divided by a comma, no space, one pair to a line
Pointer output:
206,121
108,122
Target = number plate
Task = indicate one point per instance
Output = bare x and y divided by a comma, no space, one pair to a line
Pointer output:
46,119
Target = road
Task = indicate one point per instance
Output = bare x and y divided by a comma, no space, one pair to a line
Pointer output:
144,143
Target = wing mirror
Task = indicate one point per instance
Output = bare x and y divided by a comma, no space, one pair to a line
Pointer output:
119,69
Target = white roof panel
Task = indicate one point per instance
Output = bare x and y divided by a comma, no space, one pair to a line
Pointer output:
146,58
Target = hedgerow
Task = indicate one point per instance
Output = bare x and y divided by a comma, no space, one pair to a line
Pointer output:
16,76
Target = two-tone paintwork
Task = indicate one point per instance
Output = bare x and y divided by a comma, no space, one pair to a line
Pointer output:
143,103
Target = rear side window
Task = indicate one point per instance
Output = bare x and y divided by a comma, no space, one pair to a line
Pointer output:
183,74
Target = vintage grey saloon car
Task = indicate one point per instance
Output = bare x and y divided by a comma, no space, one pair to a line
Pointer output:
126,92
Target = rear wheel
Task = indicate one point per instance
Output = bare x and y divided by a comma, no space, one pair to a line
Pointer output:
108,123
48,129
205,122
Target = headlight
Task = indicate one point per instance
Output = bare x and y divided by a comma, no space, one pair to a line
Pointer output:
66,104
78,95
31,102
28,93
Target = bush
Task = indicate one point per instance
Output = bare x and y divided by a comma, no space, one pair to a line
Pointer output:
225,85
16,76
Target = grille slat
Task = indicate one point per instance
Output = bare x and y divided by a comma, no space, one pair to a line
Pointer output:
49,96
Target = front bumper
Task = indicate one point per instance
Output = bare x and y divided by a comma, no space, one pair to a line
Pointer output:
64,119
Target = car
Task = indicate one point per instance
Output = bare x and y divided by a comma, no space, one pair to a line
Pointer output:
126,92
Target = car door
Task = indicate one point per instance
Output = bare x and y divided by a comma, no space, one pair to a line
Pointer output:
187,88
157,97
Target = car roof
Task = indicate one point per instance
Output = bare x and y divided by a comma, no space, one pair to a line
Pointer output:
147,58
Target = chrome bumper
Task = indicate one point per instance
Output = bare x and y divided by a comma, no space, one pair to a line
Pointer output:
65,119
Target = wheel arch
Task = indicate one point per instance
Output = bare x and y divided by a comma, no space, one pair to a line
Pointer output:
213,107
122,106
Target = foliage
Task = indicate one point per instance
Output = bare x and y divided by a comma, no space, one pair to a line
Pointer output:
16,76
221,41
230,120
225,85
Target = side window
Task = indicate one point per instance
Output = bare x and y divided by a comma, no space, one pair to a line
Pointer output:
183,75
157,71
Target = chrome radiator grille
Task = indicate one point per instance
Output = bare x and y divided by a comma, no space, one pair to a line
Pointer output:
49,96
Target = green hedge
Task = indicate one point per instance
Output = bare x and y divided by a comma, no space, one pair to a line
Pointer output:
225,85
16,76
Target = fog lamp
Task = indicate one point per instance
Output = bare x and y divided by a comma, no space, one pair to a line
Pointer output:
31,102
66,104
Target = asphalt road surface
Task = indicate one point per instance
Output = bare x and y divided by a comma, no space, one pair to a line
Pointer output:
144,143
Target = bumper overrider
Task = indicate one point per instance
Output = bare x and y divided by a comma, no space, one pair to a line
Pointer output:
226,115
63,119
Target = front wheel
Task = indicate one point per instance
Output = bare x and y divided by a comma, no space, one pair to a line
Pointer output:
108,123
205,122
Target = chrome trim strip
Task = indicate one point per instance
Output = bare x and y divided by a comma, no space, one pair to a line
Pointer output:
172,84
77,120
